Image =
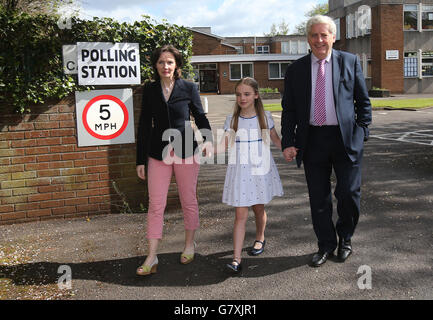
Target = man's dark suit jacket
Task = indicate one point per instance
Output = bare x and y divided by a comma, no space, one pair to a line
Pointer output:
158,115
352,103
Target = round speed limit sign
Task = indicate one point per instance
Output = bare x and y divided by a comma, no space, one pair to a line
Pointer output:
105,117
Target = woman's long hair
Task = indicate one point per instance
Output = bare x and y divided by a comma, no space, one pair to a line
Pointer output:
258,106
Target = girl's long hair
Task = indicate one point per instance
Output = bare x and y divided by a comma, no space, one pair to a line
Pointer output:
258,106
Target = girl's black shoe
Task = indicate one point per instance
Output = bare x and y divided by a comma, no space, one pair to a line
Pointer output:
234,266
256,252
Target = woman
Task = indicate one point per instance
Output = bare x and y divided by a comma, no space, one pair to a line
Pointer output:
167,104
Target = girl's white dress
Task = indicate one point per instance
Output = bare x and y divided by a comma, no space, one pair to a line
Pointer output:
252,176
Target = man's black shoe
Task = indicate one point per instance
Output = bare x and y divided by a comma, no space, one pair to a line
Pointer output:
320,258
344,249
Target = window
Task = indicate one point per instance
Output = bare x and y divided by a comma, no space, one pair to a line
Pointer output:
363,20
277,70
410,64
337,24
354,25
368,75
241,70
410,17
285,47
427,17
207,66
349,26
358,23
195,74
365,61
294,47
303,47
262,49
427,64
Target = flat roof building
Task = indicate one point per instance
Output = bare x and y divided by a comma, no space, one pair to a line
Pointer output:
393,39
219,62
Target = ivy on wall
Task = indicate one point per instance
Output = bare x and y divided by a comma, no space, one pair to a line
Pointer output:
31,67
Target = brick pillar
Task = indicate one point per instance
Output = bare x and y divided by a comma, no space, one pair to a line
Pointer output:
387,34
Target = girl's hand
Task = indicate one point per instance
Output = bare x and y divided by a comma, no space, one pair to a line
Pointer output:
141,171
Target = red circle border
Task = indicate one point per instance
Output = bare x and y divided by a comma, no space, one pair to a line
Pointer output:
107,97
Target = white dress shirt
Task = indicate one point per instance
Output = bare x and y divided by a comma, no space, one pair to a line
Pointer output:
331,116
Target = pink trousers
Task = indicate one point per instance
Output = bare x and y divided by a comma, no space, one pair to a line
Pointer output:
159,176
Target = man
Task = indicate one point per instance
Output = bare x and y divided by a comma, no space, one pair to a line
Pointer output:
325,118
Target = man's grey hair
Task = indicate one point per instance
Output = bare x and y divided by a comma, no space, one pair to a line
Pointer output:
321,19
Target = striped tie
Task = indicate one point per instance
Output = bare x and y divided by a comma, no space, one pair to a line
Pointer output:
319,96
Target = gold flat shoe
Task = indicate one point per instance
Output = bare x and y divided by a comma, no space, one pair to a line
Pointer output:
186,258
145,270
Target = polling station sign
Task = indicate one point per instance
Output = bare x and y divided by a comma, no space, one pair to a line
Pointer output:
104,117
106,63
69,59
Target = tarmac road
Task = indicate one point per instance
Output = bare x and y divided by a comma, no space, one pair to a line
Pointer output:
393,242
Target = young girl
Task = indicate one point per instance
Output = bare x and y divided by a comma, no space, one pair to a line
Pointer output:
252,178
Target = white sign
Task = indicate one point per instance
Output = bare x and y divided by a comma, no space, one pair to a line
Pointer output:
391,54
70,59
104,117
106,63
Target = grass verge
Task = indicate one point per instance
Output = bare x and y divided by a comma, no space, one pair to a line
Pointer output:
380,103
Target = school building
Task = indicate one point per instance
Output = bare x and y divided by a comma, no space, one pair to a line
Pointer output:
219,62
393,39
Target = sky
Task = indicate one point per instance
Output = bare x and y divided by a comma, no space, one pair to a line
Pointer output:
225,17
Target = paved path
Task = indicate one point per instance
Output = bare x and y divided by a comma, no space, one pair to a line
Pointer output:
394,238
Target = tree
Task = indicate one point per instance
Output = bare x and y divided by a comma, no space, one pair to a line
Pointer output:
31,69
317,9
283,29
48,7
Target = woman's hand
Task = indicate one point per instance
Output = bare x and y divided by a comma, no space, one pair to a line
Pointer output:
141,171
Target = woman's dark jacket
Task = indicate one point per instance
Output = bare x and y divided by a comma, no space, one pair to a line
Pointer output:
158,115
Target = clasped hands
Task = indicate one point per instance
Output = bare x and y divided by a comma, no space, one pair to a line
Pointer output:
290,153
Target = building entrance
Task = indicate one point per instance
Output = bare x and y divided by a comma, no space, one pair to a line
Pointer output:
207,77
208,81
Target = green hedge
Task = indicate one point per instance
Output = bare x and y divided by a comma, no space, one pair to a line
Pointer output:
31,67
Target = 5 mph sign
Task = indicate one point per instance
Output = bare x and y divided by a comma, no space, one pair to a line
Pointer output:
104,117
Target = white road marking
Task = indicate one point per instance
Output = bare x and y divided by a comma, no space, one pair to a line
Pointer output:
423,137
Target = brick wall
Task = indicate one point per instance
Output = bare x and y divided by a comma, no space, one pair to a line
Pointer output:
207,45
275,47
261,74
45,175
387,34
